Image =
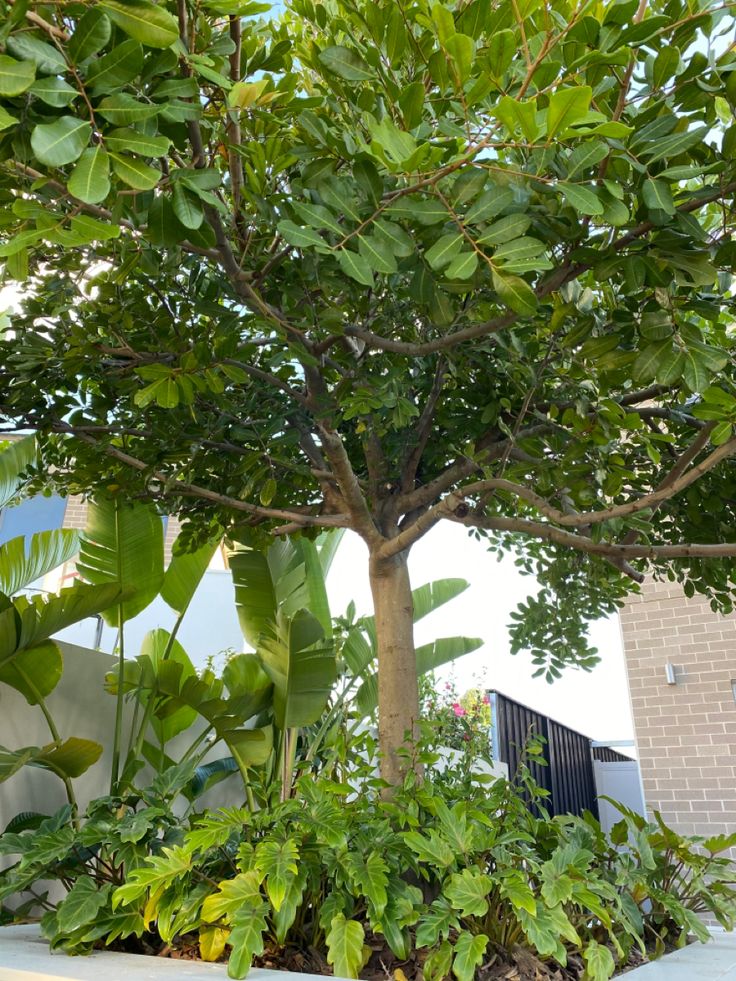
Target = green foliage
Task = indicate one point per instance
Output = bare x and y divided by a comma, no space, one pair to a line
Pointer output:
349,265
333,874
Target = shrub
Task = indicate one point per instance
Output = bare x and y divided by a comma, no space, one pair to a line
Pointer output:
447,876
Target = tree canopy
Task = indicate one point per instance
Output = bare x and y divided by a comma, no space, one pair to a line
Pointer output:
382,263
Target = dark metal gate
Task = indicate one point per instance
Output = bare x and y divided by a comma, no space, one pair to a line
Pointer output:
569,776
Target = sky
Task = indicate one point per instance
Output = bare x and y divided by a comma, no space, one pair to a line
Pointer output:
595,703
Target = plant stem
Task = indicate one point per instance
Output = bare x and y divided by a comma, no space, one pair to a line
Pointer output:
41,701
115,768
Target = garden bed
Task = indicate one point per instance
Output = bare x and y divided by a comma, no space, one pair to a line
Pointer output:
24,956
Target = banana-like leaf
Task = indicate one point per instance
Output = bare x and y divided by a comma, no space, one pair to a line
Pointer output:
288,577
327,544
208,774
432,595
34,672
22,561
429,657
13,461
29,621
123,544
70,758
185,573
301,664
425,600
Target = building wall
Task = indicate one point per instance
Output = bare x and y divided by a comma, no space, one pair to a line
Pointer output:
686,732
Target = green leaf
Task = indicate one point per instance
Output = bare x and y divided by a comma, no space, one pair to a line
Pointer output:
394,237
467,892
47,59
149,23
461,50
518,116
135,142
22,560
490,204
72,757
302,666
345,947
356,266
370,875
277,862
124,110
582,199
585,156
54,91
318,217
463,266
567,107
444,250
377,254
695,372
123,544
346,63
82,904
469,951
246,938
14,460
505,230
157,873
437,965
90,35
90,179
517,891
652,358
135,173
657,195
60,142
520,248
111,71
185,573
599,962
501,51
665,65
301,237
515,292
34,672
435,923
187,208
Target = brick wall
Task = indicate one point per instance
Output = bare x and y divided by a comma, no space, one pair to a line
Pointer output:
685,733
75,516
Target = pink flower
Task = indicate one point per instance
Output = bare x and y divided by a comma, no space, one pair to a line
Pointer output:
458,709
486,700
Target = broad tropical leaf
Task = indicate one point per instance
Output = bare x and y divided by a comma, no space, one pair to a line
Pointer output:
301,666
123,544
22,561
184,574
14,460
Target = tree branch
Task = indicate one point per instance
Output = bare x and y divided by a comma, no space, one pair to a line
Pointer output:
170,484
563,274
558,536
423,429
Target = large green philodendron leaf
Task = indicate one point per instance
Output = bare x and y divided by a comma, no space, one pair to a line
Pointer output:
123,544
13,461
22,560
184,574
67,759
289,576
301,664
429,657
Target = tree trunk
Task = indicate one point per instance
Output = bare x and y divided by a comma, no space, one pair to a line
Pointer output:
398,690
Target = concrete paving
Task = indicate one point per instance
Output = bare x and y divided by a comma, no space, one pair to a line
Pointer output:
714,961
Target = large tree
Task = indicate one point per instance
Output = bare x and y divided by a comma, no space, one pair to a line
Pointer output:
383,263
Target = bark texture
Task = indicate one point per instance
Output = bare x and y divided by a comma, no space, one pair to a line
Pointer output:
398,690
